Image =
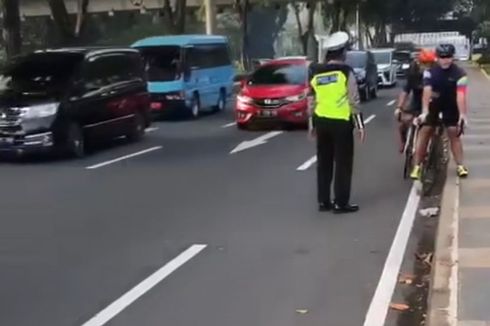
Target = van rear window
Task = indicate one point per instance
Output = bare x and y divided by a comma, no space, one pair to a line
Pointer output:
162,63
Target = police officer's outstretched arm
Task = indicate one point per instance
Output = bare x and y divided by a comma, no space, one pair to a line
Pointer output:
311,101
355,104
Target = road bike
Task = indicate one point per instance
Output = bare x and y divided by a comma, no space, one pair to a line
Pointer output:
409,150
435,158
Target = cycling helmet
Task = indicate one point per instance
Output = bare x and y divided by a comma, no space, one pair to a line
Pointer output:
427,56
445,50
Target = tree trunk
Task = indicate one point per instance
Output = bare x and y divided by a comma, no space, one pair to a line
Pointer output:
310,26
81,15
11,27
180,11
175,19
297,10
62,19
169,16
243,7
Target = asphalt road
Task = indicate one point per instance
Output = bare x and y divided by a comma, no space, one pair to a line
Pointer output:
76,235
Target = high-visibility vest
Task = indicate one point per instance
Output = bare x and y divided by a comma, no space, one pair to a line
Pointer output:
330,83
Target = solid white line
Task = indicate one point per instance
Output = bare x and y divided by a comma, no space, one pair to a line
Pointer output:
380,302
453,279
390,103
125,157
231,124
132,295
306,165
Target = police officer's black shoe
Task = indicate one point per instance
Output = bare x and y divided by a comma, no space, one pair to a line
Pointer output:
343,209
325,207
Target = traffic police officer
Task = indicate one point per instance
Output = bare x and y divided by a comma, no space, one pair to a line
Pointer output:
334,112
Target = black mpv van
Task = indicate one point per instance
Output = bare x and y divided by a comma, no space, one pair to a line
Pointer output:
63,98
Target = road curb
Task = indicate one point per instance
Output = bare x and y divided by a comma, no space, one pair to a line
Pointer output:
485,73
442,305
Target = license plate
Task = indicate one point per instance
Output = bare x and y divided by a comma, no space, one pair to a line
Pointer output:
156,106
6,140
268,113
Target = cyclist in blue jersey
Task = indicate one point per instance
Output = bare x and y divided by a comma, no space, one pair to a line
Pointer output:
445,91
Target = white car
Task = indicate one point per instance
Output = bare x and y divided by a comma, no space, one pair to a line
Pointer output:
387,66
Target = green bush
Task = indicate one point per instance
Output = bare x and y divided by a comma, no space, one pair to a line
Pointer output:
484,59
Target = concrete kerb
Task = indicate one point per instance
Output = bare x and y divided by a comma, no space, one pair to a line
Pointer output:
485,73
442,308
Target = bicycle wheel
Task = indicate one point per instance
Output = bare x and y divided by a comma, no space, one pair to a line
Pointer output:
409,151
432,166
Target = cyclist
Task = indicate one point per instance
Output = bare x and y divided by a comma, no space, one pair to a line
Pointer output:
445,88
414,86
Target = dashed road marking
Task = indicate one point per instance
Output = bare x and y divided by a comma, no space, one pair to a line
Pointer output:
228,125
391,103
122,158
147,284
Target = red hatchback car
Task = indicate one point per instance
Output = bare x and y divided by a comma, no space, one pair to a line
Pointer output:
275,92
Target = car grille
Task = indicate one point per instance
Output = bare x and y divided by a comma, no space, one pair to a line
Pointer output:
270,103
387,75
10,122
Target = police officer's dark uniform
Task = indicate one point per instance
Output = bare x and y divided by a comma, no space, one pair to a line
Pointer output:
335,113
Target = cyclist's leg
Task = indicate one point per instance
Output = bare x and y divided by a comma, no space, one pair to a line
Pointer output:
425,133
450,120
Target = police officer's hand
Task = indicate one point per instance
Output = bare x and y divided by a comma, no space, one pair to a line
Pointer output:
312,134
362,134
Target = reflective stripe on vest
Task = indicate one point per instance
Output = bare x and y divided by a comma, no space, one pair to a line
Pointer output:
331,95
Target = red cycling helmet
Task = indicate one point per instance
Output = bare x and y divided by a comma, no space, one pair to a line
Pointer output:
427,56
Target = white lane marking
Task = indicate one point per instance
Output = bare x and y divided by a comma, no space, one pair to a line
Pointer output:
228,125
255,142
380,302
370,118
151,129
125,157
453,279
132,295
390,103
306,165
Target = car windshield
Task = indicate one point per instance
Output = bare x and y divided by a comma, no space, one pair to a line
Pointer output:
402,56
279,74
382,57
356,59
162,63
39,73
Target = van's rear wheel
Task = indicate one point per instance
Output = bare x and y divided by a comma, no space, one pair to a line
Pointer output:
75,142
137,128
195,106
221,105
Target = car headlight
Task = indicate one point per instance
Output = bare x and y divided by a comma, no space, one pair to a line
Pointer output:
405,66
296,98
244,99
39,111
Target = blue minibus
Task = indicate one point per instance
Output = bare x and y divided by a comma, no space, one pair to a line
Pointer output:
187,73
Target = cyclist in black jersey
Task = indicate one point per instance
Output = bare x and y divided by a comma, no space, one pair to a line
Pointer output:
414,86
445,89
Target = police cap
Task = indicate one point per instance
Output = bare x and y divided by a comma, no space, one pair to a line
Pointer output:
337,41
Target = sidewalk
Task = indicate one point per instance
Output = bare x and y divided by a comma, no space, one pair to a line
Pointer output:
474,210
463,240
